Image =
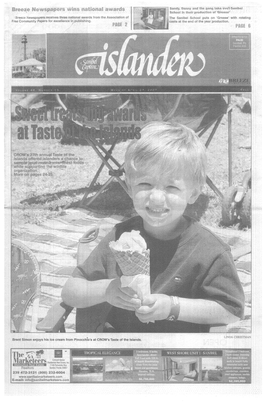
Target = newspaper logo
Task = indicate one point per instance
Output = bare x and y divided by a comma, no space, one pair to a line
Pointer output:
122,63
86,64
29,358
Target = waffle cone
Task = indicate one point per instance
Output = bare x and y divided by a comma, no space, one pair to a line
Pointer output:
132,263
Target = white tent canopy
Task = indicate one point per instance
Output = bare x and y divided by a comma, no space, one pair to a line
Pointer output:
30,62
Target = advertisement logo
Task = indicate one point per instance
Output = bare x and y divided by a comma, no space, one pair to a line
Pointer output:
123,63
29,358
58,353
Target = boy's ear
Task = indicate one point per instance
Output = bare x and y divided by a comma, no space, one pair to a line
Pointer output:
195,193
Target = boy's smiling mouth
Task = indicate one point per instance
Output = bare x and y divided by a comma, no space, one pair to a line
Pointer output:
157,211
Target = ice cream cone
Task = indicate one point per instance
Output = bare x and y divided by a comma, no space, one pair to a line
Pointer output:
132,263
133,258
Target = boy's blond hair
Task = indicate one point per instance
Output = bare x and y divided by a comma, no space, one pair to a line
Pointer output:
170,149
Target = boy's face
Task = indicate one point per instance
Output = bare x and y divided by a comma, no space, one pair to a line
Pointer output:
161,200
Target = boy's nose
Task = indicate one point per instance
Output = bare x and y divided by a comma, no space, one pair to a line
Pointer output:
157,197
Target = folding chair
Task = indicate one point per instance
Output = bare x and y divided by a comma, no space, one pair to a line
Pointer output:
106,156
88,319
199,112
25,288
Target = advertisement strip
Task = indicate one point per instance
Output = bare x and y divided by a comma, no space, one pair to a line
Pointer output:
131,366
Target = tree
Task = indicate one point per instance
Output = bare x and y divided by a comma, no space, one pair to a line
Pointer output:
40,54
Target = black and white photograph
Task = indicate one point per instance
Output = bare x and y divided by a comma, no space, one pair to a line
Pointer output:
212,369
185,369
118,369
106,224
86,370
29,56
150,18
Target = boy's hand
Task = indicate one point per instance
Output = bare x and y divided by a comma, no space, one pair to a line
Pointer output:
122,297
155,307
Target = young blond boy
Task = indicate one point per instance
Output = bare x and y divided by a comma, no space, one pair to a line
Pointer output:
194,283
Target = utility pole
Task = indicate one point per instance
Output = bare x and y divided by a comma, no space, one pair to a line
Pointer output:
24,41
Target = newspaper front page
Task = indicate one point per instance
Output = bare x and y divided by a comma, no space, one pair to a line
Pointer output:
82,83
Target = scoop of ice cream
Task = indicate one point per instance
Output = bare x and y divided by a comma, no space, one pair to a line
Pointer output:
130,241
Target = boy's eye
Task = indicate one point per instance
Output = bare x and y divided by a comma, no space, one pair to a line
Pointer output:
144,184
173,187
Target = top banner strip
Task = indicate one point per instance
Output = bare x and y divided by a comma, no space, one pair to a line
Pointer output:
186,59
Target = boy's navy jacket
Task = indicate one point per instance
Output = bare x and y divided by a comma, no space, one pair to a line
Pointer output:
197,264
